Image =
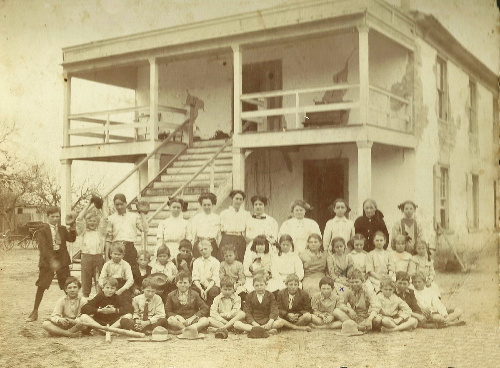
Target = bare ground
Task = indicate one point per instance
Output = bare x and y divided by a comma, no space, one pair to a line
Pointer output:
476,344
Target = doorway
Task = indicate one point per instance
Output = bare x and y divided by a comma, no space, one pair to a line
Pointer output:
261,77
324,181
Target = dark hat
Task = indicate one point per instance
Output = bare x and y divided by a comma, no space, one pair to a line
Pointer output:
221,333
258,333
97,200
159,279
71,218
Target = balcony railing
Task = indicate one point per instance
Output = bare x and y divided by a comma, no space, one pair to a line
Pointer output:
124,125
304,108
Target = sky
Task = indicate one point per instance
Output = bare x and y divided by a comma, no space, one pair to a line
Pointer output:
33,32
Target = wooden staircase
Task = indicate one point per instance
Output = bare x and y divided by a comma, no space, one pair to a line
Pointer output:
216,177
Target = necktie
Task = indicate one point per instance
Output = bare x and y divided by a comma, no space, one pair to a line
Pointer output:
57,237
145,315
290,301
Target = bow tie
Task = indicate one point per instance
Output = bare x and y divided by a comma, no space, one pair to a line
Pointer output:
259,217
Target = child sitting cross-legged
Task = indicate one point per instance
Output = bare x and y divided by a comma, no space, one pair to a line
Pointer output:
67,308
327,306
141,270
226,307
165,266
432,308
206,273
408,295
232,268
361,303
120,270
261,309
184,307
107,307
395,314
294,305
149,310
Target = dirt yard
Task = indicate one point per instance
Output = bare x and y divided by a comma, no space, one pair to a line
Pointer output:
476,344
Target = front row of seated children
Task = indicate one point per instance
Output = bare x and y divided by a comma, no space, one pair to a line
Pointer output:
395,308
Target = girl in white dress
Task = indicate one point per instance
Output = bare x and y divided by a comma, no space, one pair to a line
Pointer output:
174,228
287,261
258,259
299,227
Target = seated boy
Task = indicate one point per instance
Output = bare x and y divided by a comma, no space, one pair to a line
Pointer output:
395,314
149,310
107,307
226,308
206,273
232,268
120,270
141,270
294,305
184,307
261,309
361,303
327,306
408,295
431,306
184,260
67,308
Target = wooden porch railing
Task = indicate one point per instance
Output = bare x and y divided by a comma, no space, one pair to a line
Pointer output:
390,110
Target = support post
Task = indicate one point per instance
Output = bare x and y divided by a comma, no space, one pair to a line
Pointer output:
153,98
238,169
65,188
238,88
364,172
66,110
153,166
364,80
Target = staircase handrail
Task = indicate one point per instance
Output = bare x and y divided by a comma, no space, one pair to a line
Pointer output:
194,176
145,159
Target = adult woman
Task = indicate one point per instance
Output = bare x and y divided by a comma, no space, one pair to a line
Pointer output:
205,224
261,223
123,226
371,222
175,228
299,227
233,222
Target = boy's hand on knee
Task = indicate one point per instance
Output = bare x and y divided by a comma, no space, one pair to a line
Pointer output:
64,322
351,313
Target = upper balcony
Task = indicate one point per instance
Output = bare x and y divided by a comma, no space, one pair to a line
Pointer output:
308,73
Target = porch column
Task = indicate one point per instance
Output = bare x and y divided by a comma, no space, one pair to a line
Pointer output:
153,166
153,97
364,81
66,110
238,169
238,88
364,172
65,188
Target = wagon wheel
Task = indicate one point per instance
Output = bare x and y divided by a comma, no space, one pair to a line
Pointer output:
25,242
8,241
34,243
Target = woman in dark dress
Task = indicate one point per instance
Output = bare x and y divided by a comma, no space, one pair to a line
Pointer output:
371,222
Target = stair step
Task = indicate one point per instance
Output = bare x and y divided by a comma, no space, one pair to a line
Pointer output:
210,143
155,205
161,198
168,191
198,163
203,156
200,150
179,179
192,169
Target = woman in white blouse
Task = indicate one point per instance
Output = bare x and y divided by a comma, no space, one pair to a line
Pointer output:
175,228
233,222
206,224
261,223
299,227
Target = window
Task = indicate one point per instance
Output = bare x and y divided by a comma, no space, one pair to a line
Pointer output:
472,107
19,211
444,197
475,201
442,88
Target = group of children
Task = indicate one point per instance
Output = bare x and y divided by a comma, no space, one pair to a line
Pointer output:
269,290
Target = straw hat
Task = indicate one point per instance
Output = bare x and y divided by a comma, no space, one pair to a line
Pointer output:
349,328
190,333
160,334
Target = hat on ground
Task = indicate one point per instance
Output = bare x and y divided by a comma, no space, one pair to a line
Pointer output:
190,333
71,218
160,334
160,279
349,328
221,333
258,333
97,201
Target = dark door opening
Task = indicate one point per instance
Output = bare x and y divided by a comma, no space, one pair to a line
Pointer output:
324,181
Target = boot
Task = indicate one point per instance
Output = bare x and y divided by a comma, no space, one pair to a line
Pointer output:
33,316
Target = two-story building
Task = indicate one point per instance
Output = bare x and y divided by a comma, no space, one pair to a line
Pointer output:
323,99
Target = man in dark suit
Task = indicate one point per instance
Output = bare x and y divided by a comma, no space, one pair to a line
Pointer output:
54,256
